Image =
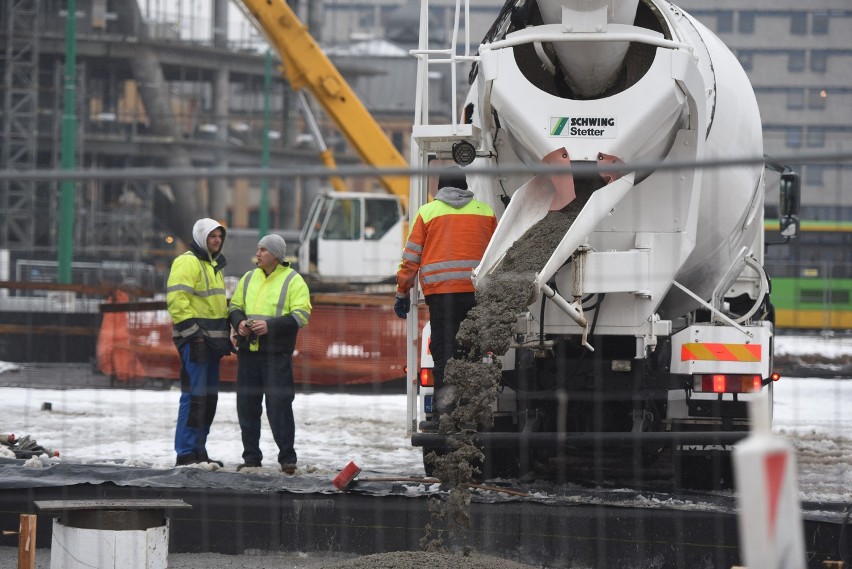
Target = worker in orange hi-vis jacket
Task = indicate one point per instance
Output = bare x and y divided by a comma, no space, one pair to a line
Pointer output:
446,242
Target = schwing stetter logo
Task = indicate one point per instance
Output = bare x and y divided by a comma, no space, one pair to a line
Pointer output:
583,127
557,125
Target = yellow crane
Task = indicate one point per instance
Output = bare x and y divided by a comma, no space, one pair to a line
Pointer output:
305,66
348,236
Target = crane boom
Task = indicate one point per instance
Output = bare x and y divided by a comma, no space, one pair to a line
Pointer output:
306,67
326,155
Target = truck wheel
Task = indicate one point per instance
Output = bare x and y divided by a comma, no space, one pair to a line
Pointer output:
500,463
710,472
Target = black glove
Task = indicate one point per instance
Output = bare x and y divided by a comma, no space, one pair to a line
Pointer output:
402,306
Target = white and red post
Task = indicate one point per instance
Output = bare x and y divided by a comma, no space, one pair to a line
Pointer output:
770,517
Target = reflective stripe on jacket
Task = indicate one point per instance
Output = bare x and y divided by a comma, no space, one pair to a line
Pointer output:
445,244
282,299
195,297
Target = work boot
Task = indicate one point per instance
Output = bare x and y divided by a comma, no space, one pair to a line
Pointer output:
248,465
187,459
288,469
202,457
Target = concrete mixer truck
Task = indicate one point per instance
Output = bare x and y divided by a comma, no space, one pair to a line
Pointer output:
641,322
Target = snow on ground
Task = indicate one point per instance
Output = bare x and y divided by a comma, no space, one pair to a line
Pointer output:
815,415
136,427
827,345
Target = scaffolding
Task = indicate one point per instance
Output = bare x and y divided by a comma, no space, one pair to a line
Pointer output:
19,66
170,99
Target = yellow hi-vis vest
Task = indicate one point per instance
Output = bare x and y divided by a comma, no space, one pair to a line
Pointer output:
283,293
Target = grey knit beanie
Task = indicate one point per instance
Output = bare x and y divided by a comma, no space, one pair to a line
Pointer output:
275,244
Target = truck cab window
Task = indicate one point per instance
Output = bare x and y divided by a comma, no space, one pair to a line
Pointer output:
380,216
344,221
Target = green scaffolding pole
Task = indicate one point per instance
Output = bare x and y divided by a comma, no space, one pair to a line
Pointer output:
69,148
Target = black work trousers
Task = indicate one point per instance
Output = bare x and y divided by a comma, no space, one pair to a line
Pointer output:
446,313
268,375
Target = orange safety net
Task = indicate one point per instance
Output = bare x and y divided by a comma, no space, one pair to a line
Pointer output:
344,344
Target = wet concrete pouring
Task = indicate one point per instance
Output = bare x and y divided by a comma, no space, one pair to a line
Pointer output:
471,381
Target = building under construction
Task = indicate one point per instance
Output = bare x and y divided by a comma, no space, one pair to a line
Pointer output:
150,92
168,84
154,87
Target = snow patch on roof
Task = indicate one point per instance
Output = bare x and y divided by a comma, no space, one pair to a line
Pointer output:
375,47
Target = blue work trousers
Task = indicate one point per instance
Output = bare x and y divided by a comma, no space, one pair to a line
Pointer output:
198,399
269,375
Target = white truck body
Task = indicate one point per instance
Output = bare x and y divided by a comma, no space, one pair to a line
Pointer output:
671,255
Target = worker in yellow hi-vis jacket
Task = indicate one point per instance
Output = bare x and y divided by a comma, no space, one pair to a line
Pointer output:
270,305
195,296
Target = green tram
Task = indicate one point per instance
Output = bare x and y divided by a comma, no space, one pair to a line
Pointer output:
811,275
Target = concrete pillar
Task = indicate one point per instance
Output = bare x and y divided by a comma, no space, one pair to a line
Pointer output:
241,203
218,196
218,202
220,23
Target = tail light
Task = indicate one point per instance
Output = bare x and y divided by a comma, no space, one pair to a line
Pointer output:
727,383
426,377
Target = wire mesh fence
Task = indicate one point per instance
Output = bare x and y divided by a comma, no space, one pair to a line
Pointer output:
90,372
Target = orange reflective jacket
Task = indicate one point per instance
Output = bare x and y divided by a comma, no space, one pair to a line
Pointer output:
445,244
